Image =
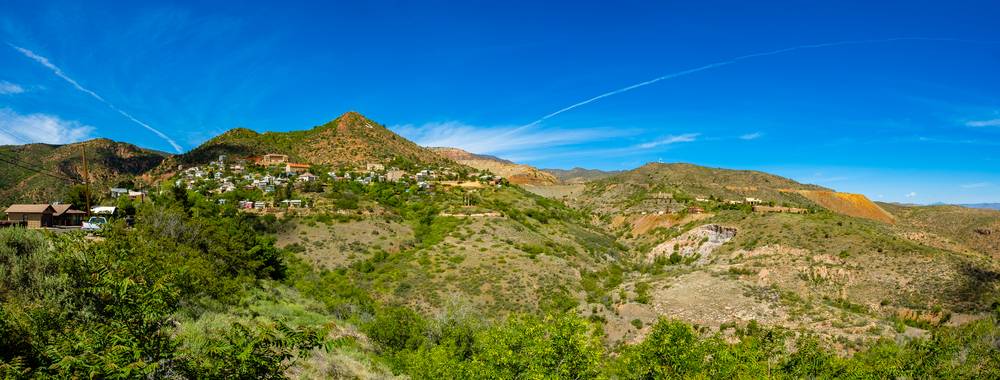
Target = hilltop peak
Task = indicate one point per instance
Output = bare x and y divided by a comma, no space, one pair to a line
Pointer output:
351,139
351,115
240,131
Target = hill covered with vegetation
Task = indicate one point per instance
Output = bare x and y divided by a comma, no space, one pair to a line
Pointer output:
42,173
349,140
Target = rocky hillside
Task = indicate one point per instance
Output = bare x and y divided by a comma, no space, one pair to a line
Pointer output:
43,172
958,228
349,140
818,261
515,173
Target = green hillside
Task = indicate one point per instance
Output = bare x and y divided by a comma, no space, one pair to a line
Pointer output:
42,173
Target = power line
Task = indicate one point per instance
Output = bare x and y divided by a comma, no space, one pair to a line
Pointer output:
44,172
32,166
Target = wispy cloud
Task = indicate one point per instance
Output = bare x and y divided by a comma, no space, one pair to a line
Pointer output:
503,139
976,185
59,73
16,128
911,194
751,136
687,137
738,59
983,123
936,140
7,88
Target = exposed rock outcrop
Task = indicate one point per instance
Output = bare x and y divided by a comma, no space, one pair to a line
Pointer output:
699,242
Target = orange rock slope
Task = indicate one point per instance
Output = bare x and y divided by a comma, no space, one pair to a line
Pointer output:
856,205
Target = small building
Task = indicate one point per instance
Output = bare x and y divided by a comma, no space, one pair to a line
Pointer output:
33,215
754,201
373,167
296,168
272,159
133,195
118,191
293,203
395,175
307,177
65,215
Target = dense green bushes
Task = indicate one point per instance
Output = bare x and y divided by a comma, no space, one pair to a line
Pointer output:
71,307
566,346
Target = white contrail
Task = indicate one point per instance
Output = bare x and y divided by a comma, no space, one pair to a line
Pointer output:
59,73
730,62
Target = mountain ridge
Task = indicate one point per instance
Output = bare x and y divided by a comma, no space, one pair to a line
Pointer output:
520,174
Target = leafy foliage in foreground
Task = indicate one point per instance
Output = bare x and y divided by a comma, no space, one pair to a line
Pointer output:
569,347
104,309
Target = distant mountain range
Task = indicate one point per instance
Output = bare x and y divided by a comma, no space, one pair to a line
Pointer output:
990,206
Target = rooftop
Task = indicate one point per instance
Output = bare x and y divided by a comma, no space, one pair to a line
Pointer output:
30,209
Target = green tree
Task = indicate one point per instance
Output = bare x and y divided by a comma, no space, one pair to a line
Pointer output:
77,196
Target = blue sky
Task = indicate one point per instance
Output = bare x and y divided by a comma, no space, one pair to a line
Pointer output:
908,120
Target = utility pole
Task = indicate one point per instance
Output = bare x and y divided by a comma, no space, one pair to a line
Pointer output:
86,180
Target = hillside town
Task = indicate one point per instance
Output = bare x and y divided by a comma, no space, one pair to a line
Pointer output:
271,183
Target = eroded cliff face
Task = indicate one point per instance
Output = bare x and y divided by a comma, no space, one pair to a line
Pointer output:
697,243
